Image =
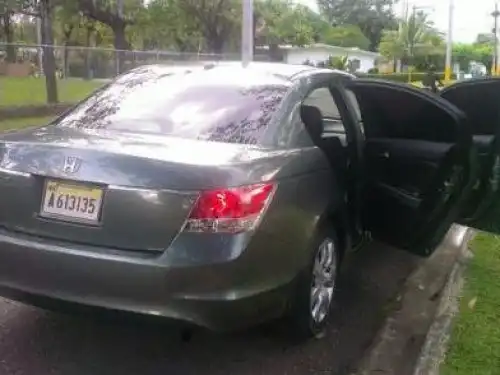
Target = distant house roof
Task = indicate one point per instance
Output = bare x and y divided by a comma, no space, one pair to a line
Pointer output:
339,49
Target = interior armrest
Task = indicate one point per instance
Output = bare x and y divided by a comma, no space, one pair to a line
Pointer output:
403,197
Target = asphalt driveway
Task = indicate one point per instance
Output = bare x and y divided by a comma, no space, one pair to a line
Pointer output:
33,341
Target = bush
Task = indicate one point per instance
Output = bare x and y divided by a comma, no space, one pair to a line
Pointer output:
400,77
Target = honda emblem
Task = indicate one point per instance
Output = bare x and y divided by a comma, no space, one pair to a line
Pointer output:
71,164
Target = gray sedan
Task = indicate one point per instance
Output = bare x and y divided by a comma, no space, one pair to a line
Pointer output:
226,196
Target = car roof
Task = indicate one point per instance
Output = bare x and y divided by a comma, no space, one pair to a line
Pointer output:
288,72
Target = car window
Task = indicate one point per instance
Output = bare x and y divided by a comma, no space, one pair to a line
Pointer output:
324,101
190,104
322,98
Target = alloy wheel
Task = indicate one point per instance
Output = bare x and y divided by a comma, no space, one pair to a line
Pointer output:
323,281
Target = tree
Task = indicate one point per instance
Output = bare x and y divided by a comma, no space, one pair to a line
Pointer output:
318,23
464,54
484,47
44,9
371,16
392,45
216,20
67,22
105,11
283,23
345,36
485,55
164,24
415,39
6,28
25,29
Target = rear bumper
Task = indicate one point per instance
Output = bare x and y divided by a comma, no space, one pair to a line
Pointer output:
223,297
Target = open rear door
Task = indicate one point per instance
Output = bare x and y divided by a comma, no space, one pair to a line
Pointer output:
417,164
479,99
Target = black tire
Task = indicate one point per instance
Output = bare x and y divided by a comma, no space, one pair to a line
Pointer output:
300,322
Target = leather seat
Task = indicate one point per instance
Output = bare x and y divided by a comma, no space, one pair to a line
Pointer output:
332,146
313,121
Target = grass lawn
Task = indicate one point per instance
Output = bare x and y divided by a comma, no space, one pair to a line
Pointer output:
31,90
475,342
23,123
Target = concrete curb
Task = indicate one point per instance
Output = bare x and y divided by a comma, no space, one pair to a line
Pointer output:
436,344
409,342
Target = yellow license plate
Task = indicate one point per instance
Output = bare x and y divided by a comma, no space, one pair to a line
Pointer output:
74,202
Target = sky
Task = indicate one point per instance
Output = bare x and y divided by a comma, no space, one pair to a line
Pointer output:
471,17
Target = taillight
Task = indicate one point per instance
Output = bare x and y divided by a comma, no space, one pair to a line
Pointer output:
230,210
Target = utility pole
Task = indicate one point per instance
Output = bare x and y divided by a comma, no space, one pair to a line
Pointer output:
494,65
247,33
39,41
119,54
449,43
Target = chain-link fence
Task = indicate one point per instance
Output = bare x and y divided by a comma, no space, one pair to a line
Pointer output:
79,70
96,63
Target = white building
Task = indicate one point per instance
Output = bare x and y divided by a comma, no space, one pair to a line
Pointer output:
320,52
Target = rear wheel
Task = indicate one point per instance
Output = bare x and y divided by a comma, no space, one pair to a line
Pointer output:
314,295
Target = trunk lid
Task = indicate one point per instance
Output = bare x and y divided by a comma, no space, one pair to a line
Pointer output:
143,187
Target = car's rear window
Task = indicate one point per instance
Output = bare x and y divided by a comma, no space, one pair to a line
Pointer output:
224,105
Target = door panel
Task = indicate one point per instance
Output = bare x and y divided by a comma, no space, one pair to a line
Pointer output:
417,161
407,180
407,165
478,99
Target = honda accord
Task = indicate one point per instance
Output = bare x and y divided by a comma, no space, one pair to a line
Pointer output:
226,196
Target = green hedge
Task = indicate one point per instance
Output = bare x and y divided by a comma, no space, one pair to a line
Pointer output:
401,77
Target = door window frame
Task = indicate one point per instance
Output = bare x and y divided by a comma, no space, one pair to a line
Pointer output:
329,82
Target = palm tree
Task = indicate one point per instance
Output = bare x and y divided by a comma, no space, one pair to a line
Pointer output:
416,36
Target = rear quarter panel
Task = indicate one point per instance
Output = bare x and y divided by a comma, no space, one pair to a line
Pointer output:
273,254
301,200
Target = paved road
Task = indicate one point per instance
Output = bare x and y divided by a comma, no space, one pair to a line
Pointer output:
34,341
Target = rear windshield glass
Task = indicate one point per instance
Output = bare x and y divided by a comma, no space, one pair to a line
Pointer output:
224,105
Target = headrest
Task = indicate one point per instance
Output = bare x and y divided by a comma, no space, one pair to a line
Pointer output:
313,120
